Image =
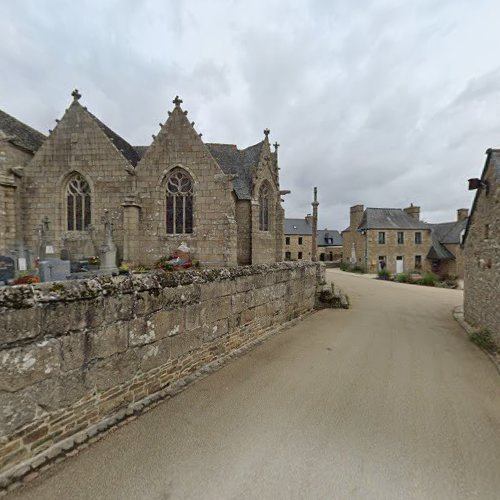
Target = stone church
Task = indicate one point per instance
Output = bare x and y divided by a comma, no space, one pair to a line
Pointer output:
223,202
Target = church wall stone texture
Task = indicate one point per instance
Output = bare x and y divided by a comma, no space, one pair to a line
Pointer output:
83,169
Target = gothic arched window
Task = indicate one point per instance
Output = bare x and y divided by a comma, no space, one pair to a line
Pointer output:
179,203
264,194
78,203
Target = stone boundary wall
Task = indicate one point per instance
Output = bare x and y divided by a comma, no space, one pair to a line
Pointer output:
74,354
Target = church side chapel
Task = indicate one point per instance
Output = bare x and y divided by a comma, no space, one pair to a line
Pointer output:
85,183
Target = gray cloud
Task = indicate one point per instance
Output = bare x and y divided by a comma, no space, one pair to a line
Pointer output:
381,102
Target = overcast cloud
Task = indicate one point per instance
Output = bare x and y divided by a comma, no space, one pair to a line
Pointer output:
381,102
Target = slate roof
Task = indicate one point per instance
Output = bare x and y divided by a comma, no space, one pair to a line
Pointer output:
141,150
22,135
301,227
449,232
389,218
438,251
121,144
297,227
239,162
325,234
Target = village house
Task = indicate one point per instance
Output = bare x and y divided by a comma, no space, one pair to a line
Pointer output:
224,203
397,240
482,250
298,241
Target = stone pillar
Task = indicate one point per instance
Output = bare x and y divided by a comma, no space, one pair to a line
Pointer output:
314,248
131,218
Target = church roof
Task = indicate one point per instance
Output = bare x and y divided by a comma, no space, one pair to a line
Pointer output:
239,162
19,133
389,218
438,251
141,150
121,144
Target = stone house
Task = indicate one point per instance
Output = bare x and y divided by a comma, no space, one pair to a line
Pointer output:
398,240
298,241
223,202
482,250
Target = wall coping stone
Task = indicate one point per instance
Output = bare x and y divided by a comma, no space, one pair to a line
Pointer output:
28,296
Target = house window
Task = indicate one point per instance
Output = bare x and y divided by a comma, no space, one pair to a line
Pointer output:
288,256
418,262
78,204
300,240
418,238
179,203
287,240
381,238
401,238
329,241
299,256
264,207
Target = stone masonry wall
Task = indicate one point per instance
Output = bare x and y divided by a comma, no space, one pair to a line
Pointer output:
73,354
482,258
10,200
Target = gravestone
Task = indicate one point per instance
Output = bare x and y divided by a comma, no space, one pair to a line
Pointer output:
53,269
7,269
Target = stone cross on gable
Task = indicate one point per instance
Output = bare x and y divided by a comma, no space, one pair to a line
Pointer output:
276,146
177,101
76,95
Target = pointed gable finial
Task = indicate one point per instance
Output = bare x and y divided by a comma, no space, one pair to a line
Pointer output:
177,101
76,95
266,132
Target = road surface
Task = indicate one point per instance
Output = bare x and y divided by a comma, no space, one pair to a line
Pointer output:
387,400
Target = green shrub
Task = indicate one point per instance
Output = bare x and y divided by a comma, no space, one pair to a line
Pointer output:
429,279
403,278
344,266
358,269
384,274
484,340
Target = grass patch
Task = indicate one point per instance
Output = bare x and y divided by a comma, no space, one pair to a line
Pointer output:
484,340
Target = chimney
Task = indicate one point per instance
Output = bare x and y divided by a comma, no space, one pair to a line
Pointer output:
309,219
413,211
462,214
356,216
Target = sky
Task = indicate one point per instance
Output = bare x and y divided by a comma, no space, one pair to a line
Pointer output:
377,102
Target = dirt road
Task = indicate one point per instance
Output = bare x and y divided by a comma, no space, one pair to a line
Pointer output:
387,400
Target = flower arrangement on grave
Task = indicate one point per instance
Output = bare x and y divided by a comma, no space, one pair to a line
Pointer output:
27,280
94,260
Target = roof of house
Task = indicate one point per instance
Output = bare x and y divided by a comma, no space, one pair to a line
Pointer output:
297,227
449,232
121,144
239,162
301,227
325,234
438,251
389,218
19,133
